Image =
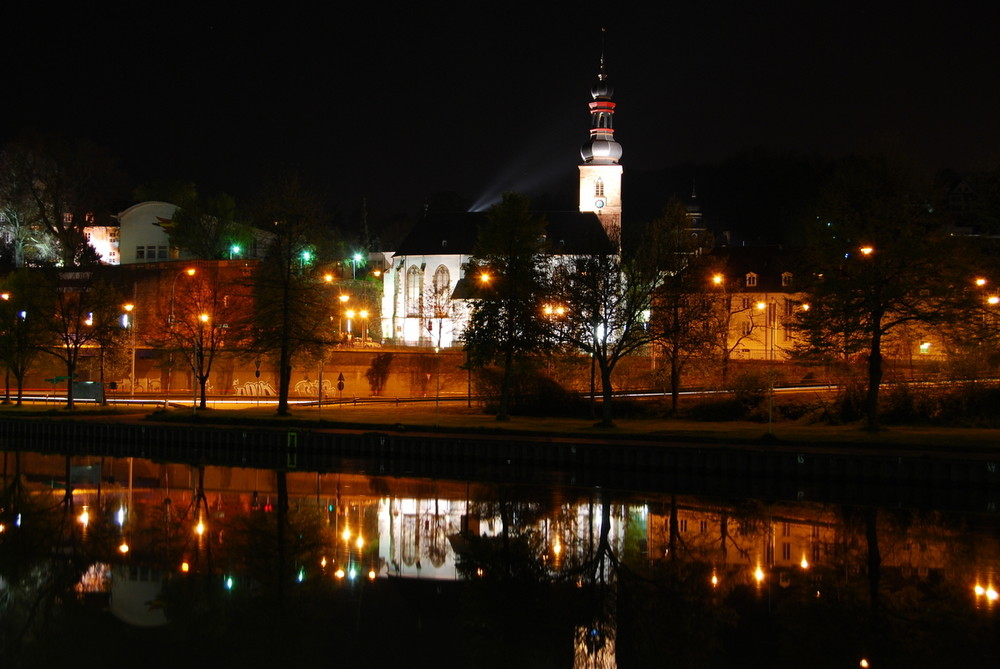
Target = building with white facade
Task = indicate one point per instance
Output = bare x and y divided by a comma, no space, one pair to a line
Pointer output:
425,297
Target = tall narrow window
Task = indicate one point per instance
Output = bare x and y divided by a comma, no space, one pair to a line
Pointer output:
442,291
413,286
751,280
599,188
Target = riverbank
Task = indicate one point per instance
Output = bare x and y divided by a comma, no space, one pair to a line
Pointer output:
456,419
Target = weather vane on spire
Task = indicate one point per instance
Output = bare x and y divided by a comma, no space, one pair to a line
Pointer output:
602,75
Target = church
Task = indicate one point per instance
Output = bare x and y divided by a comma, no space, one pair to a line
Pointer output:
425,295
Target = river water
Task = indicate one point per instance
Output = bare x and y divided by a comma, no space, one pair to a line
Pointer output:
172,564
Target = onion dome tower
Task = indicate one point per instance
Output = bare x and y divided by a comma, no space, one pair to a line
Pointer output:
600,173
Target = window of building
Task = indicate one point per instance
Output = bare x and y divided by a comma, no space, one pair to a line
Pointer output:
751,280
68,218
786,551
703,526
161,252
786,279
140,252
599,188
414,280
747,327
786,529
442,292
683,524
745,303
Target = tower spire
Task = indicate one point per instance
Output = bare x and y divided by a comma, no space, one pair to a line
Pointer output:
600,173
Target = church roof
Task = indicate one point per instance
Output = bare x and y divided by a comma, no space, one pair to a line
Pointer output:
569,232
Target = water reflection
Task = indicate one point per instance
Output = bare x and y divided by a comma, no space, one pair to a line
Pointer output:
253,567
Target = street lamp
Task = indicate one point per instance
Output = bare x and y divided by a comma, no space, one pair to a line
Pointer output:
363,314
131,326
355,259
769,335
190,271
6,379
198,361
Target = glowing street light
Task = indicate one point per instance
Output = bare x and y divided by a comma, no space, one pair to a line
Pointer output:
867,250
363,314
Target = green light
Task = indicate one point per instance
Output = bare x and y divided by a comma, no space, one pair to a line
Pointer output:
302,574
358,257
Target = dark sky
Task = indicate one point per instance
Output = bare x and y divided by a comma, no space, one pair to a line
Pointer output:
397,104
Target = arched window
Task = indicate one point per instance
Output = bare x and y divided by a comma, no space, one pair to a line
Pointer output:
414,281
442,291
599,188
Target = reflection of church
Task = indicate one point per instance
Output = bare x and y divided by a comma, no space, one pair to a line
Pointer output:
425,301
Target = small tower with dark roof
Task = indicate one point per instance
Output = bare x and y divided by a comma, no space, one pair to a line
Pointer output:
600,173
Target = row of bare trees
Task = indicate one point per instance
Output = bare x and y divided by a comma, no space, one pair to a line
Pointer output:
880,259
279,307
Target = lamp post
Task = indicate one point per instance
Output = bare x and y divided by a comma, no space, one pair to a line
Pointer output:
130,320
344,299
190,271
197,360
363,314
768,309
6,375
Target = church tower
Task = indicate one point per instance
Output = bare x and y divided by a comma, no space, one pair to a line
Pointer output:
600,173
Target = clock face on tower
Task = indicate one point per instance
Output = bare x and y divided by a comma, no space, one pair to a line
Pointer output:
599,203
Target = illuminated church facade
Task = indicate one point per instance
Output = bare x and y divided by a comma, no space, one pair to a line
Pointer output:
425,299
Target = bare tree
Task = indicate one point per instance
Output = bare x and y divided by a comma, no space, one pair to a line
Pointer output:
207,315
608,297
82,309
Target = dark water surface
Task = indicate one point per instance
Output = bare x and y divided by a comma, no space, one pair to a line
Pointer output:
239,567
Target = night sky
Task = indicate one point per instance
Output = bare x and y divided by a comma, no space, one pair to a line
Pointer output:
398,104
